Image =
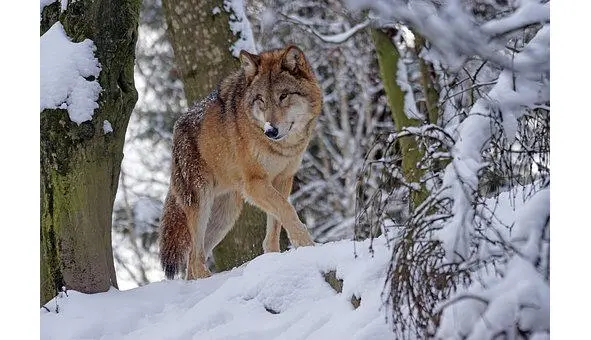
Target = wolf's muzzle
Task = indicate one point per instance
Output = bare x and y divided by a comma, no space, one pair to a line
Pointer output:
271,131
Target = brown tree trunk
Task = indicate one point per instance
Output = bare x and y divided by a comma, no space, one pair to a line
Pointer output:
201,41
80,163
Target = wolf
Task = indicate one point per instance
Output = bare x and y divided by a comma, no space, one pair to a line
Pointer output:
243,142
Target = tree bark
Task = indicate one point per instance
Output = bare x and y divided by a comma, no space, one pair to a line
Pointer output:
80,163
201,42
388,57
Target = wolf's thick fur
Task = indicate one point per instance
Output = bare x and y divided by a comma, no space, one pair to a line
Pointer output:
244,141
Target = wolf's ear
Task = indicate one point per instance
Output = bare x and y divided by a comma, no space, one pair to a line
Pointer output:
293,59
250,63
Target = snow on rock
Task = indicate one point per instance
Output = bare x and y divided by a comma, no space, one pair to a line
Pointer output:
275,296
240,27
65,68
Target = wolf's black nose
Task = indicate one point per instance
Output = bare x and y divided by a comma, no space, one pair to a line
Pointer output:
271,132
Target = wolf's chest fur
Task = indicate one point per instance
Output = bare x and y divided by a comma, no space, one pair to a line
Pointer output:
277,161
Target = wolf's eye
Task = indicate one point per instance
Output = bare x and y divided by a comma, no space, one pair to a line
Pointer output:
283,96
259,97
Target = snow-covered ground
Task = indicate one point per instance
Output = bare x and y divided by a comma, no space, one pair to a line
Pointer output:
275,296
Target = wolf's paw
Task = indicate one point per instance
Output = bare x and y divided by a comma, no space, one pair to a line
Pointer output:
302,243
301,237
271,246
200,272
203,274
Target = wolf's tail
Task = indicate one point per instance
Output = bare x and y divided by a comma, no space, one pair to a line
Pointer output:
175,238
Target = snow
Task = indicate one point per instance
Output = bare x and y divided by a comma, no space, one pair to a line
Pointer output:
216,10
461,176
342,37
338,38
240,27
107,127
145,212
275,296
410,107
530,12
529,229
520,297
451,31
64,67
268,18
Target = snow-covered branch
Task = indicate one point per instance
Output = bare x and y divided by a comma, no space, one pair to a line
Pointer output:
333,38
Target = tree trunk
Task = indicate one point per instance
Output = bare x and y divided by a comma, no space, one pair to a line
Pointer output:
201,41
80,163
430,93
388,57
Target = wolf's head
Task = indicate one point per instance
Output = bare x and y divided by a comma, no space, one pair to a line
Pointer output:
282,94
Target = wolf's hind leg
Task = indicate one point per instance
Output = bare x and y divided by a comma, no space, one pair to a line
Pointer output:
225,211
196,267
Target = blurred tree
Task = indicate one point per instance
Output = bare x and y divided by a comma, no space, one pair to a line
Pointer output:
201,40
80,163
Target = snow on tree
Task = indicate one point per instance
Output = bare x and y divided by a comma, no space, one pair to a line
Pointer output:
86,79
491,63
65,67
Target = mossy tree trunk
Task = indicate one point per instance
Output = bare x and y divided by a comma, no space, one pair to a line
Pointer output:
430,93
80,163
388,57
201,42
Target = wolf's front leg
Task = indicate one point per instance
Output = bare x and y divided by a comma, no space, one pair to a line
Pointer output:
271,242
265,196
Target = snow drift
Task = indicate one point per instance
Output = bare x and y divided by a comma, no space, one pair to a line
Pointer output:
275,296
